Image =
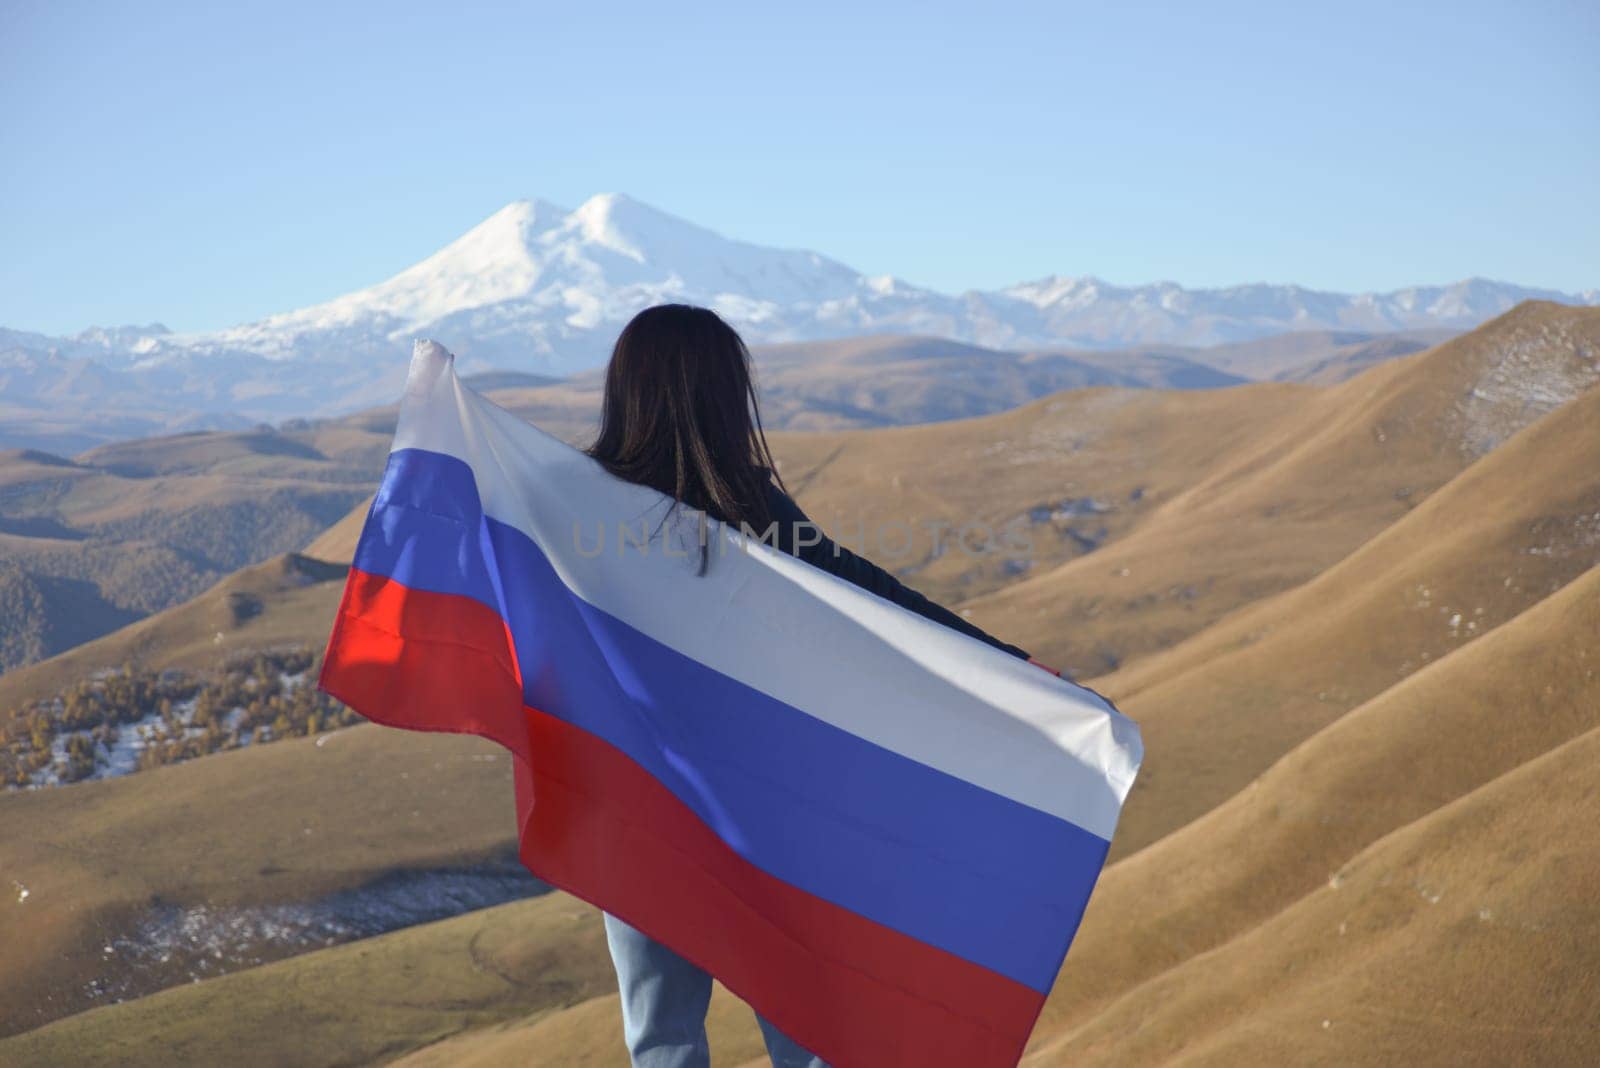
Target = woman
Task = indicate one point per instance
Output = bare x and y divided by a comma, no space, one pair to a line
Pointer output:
680,415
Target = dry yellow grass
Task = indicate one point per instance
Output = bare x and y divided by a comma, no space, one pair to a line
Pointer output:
1305,492
1523,689
1347,361
527,983
92,544
588,1035
272,824
1470,936
1290,357
1128,451
361,1003
1217,710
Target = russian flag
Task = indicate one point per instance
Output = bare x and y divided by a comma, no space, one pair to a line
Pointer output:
879,832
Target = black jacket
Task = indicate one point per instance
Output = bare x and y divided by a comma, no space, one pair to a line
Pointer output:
838,560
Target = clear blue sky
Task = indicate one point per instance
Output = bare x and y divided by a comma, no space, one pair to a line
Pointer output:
206,164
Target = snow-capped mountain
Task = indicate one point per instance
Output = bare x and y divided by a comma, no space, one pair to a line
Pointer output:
536,287
1094,314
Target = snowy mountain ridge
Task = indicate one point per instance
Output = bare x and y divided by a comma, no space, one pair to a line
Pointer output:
536,287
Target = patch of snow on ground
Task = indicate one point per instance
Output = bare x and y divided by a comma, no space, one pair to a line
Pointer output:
1534,372
120,754
203,941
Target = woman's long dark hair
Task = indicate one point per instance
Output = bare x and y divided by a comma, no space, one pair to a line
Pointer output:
681,416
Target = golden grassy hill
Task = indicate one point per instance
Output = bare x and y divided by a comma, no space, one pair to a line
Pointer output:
524,983
1059,478
1527,687
267,825
1470,936
1354,459
92,544
1218,709
358,1003
126,529
1326,356
1348,360
588,1035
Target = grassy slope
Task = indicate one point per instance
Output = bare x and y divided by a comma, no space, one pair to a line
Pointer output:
1280,356
353,1004
281,823
1470,936
1347,361
527,983
1305,494
126,530
1129,450
1526,687
588,1035
1217,710
137,526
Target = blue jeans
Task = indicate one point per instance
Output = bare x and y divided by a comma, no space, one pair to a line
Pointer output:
664,1002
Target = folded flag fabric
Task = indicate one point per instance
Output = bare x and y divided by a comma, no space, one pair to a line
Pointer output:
878,831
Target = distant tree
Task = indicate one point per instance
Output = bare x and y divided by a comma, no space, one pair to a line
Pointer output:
80,757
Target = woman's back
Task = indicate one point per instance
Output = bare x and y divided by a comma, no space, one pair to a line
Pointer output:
680,414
